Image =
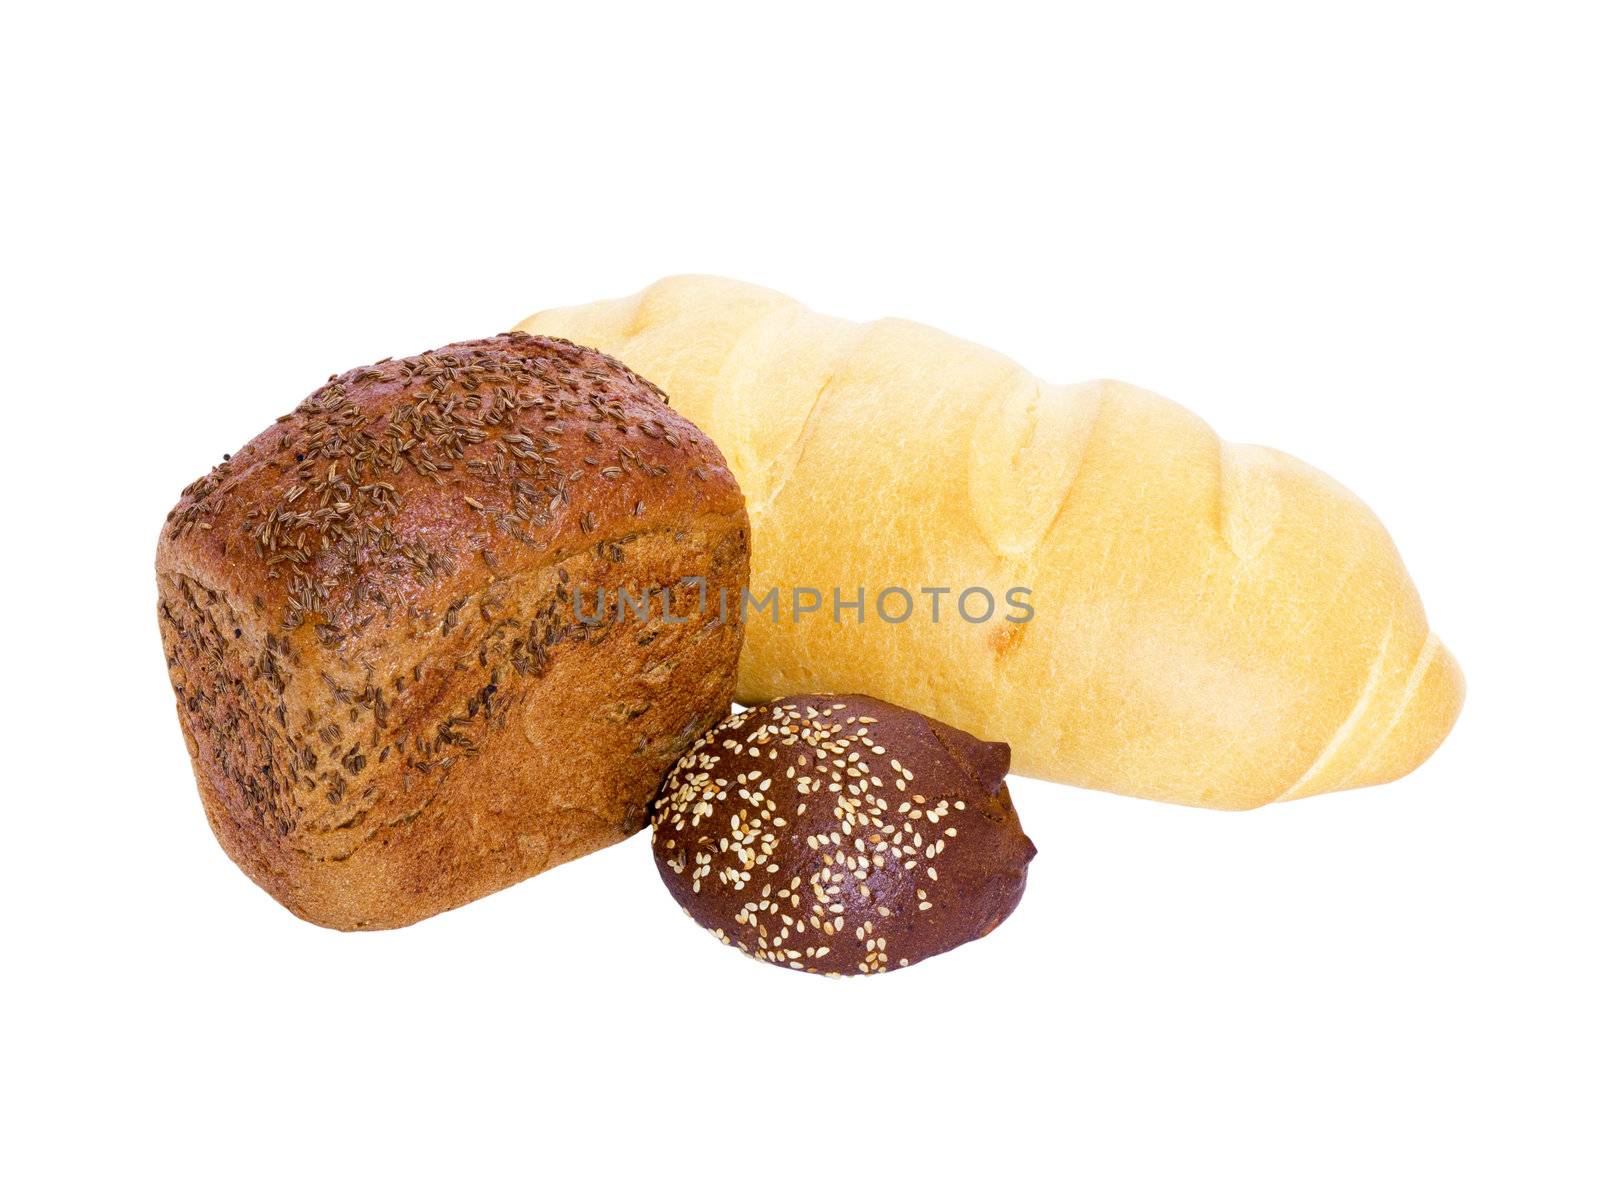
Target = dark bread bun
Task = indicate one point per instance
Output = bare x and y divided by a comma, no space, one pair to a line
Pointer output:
841,835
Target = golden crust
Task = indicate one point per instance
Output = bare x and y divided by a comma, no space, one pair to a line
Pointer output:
368,615
1216,624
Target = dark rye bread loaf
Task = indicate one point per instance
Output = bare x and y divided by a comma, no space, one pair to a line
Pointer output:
368,617
841,835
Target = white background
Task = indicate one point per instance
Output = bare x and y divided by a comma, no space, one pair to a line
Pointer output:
1363,234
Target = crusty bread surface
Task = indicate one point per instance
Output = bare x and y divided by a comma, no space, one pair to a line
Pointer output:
1214,624
840,835
391,702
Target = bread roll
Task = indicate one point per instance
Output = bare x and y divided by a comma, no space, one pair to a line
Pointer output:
841,835
1214,624
391,703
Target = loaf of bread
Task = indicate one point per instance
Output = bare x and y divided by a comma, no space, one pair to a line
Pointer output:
1213,624
841,835
383,621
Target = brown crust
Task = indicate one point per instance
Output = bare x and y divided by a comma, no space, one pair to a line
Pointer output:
368,618
841,835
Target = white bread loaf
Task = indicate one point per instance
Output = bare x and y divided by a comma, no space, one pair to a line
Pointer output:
1215,624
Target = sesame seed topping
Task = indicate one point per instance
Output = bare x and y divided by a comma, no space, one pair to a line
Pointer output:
848,859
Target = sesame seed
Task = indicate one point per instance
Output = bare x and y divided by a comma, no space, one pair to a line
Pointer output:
821,749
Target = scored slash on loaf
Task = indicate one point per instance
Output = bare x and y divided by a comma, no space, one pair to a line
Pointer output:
1214,624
